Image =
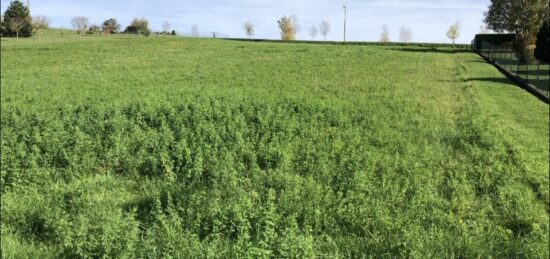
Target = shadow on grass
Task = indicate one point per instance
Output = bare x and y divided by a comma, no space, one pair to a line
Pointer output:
533,72
498,80
477,61
541,85
434,50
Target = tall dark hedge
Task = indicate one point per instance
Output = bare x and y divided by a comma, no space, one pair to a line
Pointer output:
16,9
542,52
481,40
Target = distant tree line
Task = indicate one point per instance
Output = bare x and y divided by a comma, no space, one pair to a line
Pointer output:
17,22
528,20
289,26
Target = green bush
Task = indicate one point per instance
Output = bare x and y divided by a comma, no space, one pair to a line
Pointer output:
139,26
94,29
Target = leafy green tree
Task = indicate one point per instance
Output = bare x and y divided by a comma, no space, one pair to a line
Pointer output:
138,26
111,25
17,20
522,17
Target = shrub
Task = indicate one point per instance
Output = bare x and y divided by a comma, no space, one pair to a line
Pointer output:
139,26
94,29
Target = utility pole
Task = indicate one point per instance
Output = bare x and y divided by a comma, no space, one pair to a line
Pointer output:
345,20
29,5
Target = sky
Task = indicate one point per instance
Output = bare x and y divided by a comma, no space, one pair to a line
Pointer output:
429,20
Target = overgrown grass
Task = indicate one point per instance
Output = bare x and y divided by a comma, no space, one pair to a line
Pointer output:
159,147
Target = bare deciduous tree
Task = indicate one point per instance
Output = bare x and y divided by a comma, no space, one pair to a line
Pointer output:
41,22
385,35
454,31
166,27
248,29
324,29
80,23
405,34
313,32
287,28
195,31
295,24
16,24
483,29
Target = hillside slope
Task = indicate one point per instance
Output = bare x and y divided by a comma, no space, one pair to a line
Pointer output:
189,147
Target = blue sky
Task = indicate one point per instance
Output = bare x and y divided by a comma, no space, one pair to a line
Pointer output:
428,19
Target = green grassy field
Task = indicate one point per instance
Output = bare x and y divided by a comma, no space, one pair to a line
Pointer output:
174,147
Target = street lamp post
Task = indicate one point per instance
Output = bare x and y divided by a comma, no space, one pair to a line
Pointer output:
345,20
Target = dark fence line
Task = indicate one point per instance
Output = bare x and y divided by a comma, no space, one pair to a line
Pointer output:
533,77
368,43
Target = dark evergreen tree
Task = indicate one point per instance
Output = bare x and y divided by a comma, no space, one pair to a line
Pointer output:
16,11
542,52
